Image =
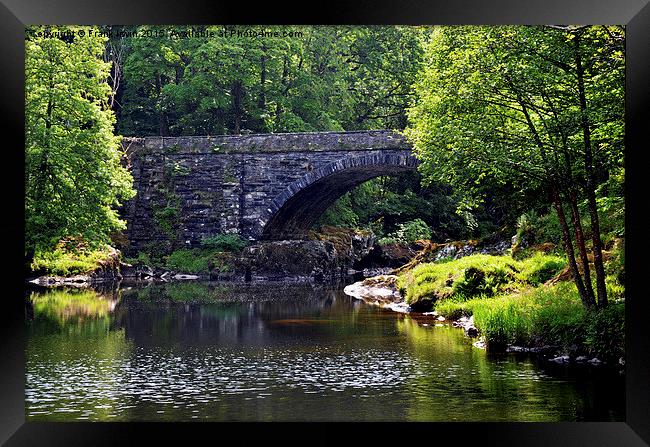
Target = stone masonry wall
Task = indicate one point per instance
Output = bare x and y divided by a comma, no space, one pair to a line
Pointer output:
190,188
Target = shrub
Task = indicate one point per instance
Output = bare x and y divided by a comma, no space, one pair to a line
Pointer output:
388,240
67,261
225,242
535,229
413,230
408,232
524,228
547,229
605,331
190,260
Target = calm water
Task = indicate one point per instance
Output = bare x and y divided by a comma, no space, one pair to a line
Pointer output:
193,351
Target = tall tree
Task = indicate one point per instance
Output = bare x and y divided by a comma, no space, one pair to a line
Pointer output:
303,78
519,105
73,174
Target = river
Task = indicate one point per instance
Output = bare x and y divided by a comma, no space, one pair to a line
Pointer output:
281,352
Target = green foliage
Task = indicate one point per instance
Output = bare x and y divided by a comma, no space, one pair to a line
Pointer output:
558,316
524,227
413,230
476,275
66,262
546,315
611,206
499,105
225,242
605,331
535,229
408,232
453,308
539,268
539,108
502,320
203,260
547,228
615,267
190,260
167,218
340,214
322,78
74,180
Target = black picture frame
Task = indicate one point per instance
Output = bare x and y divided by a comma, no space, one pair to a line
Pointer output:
16,14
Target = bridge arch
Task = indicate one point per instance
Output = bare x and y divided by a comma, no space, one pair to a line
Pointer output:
291,213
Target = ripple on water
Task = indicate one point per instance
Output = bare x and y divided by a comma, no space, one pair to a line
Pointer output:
201,377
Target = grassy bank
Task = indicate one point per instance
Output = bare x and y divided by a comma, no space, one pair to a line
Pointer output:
511,304
67,262
475,275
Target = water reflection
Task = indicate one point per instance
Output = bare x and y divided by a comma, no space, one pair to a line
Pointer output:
192,350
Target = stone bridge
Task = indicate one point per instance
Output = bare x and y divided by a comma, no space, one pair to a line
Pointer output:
264,186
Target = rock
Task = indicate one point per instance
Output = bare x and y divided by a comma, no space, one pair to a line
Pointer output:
440,318
327,259
497,248
480,344
561,359
379,290
181,276
370,272
595,361
511,348
395,255
581,358
621,361
128,270
468,326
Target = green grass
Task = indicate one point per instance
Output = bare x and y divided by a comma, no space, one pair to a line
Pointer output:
544,315
476,275
511,305
62,262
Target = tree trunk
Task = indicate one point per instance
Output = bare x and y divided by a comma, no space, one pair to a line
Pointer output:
590,182
557,202
580,242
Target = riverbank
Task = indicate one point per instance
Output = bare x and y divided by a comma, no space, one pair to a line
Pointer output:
507,305
328,256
